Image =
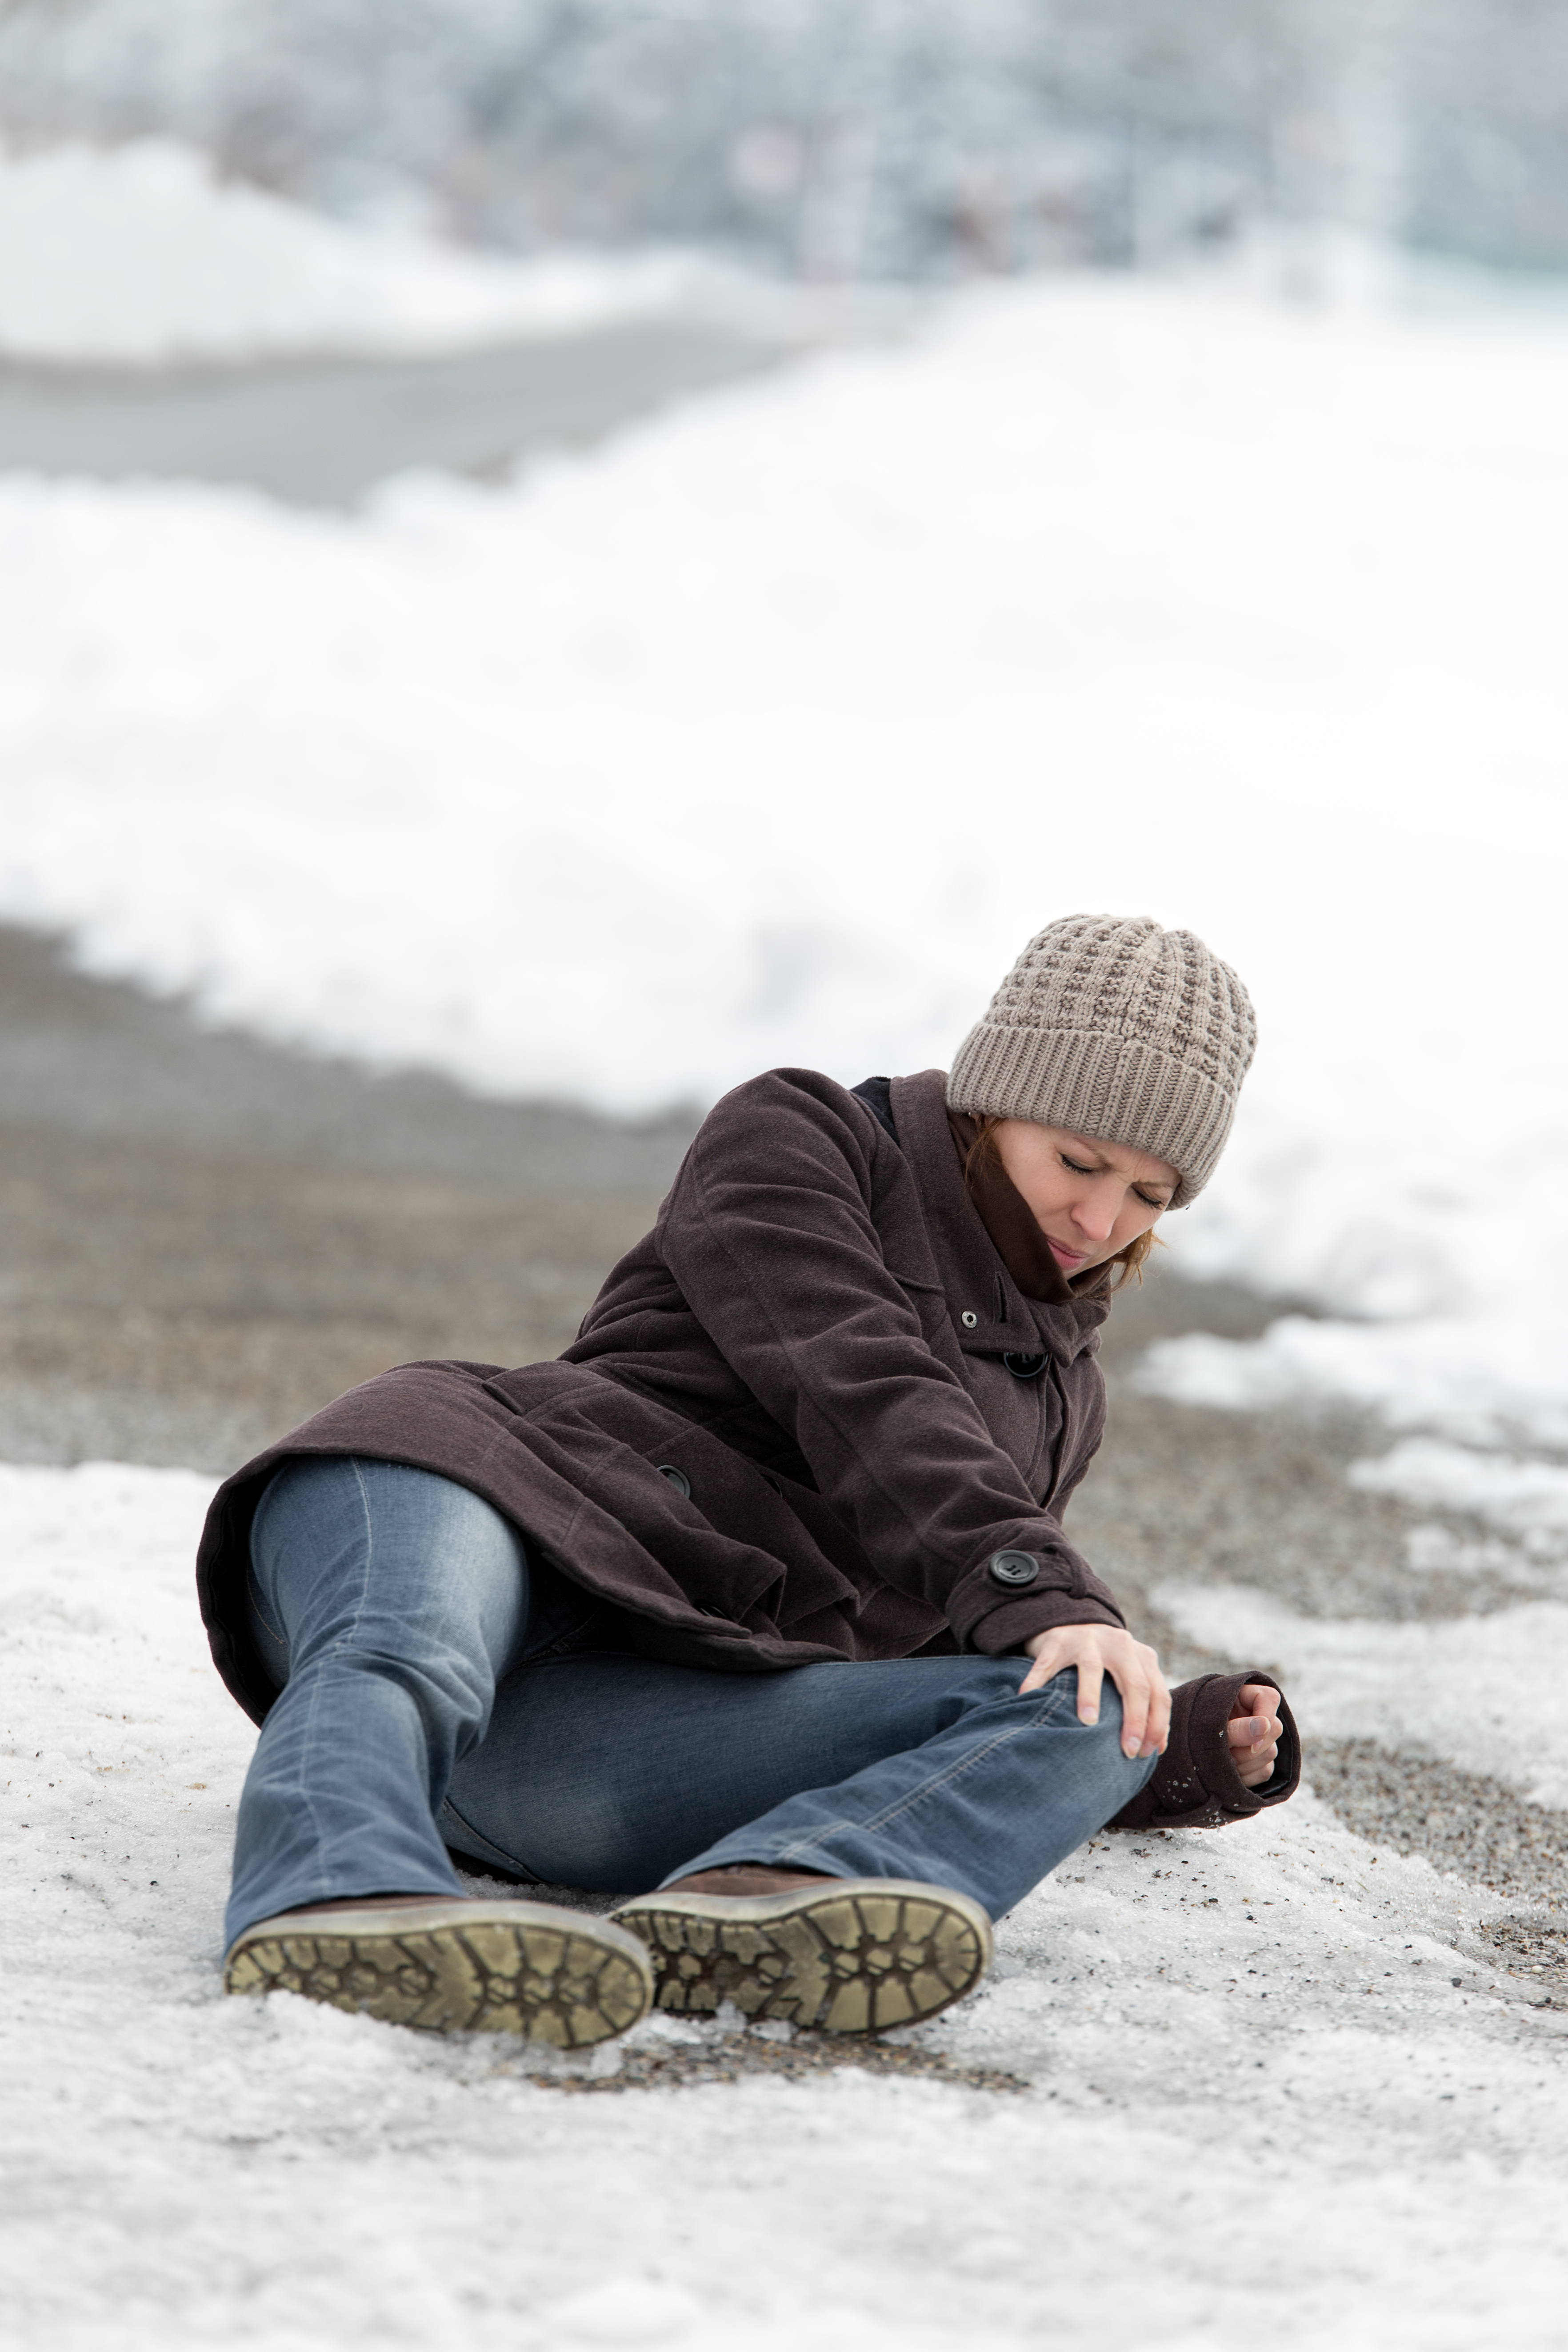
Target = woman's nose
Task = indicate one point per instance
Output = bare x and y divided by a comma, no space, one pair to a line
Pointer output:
1095,1213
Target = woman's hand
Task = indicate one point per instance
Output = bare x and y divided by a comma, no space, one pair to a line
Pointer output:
1098,1651
1254,1733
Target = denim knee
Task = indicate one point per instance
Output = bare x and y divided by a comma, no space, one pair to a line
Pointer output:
390,1570
1097,1746
1123,1775
1003,1683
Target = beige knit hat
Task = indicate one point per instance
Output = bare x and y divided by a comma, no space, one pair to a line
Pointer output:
1120,1029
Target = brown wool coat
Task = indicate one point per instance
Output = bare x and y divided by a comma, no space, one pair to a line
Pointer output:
800,1421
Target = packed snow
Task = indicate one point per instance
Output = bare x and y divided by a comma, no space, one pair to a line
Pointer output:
1495,1372
140,256
1273,2079
1470,1688
1523,1497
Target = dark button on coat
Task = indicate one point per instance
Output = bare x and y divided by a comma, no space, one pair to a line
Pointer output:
788,1338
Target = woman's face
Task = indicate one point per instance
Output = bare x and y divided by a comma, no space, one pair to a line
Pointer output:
1090,1199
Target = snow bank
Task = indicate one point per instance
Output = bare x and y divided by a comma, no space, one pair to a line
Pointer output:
1500,1371
1466,1687
771,732
1527,1499
1254,2083
138,255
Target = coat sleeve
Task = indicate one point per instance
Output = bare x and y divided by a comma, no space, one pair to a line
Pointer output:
770,1236
1196,1785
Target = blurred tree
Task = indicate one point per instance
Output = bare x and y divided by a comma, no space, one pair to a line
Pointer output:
895,137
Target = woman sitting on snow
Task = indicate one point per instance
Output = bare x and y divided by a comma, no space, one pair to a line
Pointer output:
729,1603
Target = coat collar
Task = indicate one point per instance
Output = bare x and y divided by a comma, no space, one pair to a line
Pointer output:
981,1246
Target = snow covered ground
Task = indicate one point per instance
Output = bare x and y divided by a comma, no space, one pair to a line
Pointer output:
1276,2087
138,256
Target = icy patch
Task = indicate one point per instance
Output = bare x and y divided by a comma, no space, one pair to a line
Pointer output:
1469,1688
1268,2067
1484,1378
1243,1375
1528,1498
621,2311
1432,1548
139,254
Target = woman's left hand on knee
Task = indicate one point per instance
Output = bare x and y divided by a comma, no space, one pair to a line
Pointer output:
1254,1733
1098,1651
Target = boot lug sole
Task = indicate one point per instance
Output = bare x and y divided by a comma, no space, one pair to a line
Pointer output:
526,1968
846,1956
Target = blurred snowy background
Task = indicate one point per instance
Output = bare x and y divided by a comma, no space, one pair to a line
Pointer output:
860,138
590,550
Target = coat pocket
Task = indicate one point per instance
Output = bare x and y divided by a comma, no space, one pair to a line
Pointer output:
769,1514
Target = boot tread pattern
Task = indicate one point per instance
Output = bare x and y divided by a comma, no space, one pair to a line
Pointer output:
493,1977
846,1963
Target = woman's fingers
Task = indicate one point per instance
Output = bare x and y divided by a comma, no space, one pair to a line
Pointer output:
1048,1661
1146,1701
1090,1675
1252,1730
1093,1652
1254,1733
1253,1724
1145,1704
1249,1734
1159,1728
1133,1684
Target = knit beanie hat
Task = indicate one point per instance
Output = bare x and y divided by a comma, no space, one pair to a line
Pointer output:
1122,1031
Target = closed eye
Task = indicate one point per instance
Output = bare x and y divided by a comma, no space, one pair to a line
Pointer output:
1082,1168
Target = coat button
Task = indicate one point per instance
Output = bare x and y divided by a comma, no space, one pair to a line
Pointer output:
969,1319
1025,1367
1014,1569
678,1478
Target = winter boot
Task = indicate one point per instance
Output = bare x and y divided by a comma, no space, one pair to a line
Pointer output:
845,1955
452,1964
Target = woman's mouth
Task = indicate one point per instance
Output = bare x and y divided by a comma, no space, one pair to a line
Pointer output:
1069,1258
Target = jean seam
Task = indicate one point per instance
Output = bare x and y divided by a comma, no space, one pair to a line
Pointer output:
316,1695
258,1600
917,1796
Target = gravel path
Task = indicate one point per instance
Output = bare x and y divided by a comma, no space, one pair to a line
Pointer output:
1183,1494
203,1239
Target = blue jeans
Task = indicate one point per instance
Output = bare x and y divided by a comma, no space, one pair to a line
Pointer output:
442,1687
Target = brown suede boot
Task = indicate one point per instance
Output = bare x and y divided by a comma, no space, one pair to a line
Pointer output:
744,1878
845,1955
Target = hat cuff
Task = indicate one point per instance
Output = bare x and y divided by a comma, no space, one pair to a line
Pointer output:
1114,1089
